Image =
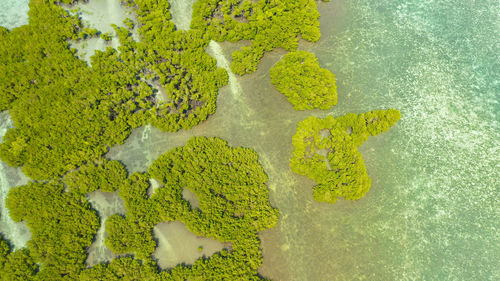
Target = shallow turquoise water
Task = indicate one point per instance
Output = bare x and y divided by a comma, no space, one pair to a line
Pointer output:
433,212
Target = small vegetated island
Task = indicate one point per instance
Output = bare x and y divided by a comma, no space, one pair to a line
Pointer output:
306,85
326,150
66,112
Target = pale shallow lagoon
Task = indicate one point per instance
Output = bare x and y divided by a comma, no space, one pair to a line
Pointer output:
101,15
13,13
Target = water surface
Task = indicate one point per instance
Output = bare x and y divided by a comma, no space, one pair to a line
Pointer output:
101,15
176,245
433,210
106,204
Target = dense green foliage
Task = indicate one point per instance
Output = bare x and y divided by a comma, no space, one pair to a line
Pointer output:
123,269
234,206
93,176
177,60
15,266
230,186
306,85
326,150
4,251
228,182
267,24
62,226
133,233
67,113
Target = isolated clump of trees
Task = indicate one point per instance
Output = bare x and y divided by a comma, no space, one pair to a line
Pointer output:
104,175
306,85
326,150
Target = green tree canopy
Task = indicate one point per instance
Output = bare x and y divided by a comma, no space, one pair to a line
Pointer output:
326,150
105,175
234,205
62,225
306,85
67,113
267,24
